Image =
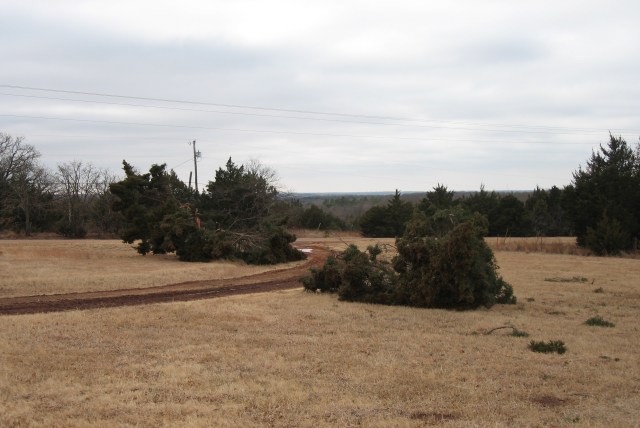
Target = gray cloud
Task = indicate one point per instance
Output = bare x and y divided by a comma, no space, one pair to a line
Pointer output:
511,95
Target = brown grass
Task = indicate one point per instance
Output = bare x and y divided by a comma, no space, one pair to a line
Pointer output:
298,359
551,245
34,267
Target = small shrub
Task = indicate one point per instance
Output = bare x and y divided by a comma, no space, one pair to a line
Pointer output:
548,347
374,251
572,419
599,290
599,322
505,294
519,333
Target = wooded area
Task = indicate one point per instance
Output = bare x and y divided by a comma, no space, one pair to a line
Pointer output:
242,205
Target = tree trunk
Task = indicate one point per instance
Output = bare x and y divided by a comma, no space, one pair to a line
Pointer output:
27,223
27,217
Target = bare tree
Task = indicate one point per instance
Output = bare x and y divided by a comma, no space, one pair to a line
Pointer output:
259,170
23,181
15,156
105,219
29,186
78,184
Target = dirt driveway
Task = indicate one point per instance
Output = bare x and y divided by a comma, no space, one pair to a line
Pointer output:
268,281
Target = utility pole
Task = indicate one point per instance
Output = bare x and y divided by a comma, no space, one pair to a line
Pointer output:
196,156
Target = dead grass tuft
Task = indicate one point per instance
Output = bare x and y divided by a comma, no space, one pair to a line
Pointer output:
432,417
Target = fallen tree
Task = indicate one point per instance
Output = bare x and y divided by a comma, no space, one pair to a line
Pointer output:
233,219
440,264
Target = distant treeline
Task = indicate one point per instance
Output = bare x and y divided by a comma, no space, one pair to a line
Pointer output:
601,207
349,209
535,213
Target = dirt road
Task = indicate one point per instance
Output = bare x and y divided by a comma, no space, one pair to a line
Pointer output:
280,279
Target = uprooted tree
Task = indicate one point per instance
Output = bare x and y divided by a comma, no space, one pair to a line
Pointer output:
235,218
442,262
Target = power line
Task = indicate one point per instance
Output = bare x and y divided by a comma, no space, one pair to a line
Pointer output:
181,163
267,131
561,130
531,128
169,100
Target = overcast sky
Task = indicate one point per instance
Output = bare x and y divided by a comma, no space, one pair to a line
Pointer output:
336,96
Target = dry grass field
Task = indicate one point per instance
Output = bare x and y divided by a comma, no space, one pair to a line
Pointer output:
298,359
34,267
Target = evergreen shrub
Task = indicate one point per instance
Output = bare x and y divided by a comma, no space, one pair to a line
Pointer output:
598,321
454,270
548,347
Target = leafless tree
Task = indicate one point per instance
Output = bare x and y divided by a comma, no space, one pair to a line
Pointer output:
29,185
269,175
23,180
15,156
105,219
78,184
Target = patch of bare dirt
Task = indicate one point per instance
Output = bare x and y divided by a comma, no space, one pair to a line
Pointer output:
549,401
